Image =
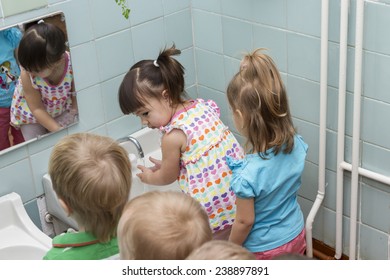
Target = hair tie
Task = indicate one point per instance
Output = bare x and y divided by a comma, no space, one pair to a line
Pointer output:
155,63
41,21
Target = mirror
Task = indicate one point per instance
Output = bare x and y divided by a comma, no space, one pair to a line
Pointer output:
37,91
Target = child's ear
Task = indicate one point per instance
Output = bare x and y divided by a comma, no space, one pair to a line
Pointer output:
65,206
165,94
240,118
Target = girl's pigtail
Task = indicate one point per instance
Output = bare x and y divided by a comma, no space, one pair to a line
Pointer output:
172,73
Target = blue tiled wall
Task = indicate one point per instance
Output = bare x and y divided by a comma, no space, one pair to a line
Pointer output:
213,34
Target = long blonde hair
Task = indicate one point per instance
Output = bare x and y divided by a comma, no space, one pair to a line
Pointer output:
257,90
92,175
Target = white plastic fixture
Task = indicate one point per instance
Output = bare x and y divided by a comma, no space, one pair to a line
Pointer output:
20,238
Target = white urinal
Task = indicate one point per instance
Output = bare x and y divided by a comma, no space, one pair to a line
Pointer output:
20,239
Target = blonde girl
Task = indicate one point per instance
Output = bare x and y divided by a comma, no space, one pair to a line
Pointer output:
269,220
194,143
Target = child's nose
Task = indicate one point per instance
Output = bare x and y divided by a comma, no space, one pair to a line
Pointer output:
143,121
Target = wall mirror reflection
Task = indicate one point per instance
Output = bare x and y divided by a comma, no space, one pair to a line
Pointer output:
37,91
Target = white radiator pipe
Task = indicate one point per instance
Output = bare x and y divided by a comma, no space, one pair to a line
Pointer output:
367,173
341,124
322,136
356,127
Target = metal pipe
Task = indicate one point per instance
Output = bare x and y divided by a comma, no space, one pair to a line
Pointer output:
341,125
322,137
136,143
356,126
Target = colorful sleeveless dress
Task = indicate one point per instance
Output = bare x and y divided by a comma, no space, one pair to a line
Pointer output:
56,98
204,173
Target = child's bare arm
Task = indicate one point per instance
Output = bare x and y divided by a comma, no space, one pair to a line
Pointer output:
245,216
34,102
172,144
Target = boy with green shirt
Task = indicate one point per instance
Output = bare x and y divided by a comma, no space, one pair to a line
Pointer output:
91,176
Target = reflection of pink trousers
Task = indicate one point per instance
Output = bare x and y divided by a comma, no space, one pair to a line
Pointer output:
5,128
295,246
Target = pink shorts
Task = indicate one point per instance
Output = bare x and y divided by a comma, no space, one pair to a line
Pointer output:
295,246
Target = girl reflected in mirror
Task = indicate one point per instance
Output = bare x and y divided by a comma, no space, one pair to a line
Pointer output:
44,99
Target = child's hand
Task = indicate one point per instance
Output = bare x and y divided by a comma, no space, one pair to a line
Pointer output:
144,174
156,162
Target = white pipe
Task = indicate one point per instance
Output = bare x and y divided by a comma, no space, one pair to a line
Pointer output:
322,136
356,127
341,124
367,173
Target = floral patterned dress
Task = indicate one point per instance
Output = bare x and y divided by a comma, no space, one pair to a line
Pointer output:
204,173
56,98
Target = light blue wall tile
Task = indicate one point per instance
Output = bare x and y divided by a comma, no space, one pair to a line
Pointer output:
372,155
171,6
208,5
141,13
101,25
318,224
233,29
304,16
110,98
272,13
376,82
11,7
375,31
309,132
85,65
232,66
240,9
207,31
123,126
13,179
39,166
148,39
302,92
12,155
275,41
334,21
373,244
186,58
372,130
178,27
78,20
210,70
93,116
309,185
114,54
374,204
303,56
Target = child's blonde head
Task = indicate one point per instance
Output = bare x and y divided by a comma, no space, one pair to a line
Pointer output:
162,226
221,250
147,79
91,174
258,92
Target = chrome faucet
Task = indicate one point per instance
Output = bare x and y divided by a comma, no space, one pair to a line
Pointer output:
135,142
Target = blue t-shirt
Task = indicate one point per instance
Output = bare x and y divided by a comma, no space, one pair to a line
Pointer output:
9,69
273,183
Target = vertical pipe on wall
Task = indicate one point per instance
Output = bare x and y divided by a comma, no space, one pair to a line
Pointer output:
356,126
322,136
341,124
